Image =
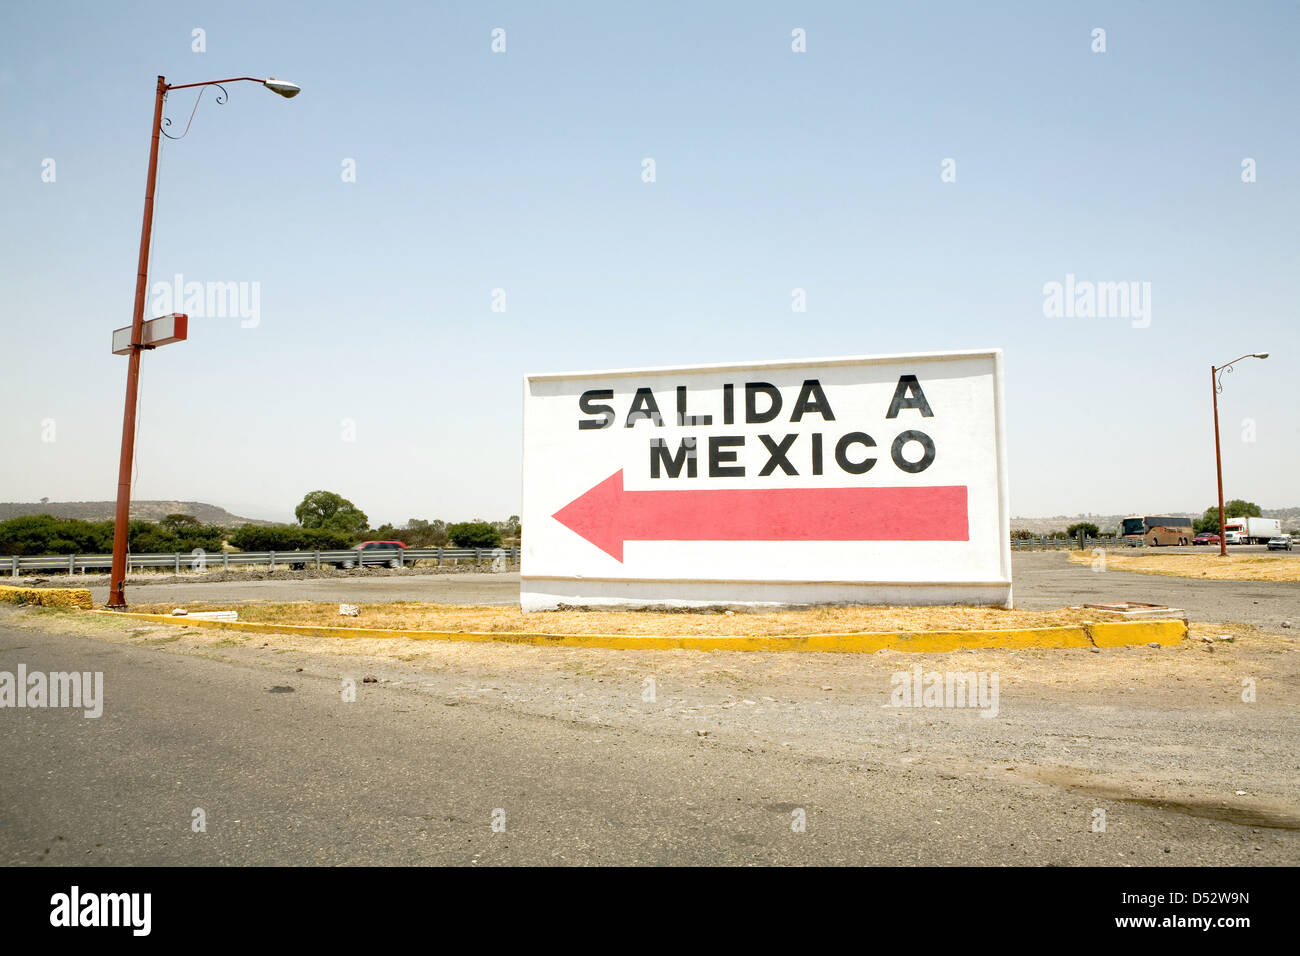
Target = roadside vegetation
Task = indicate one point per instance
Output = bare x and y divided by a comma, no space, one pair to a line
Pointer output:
326,521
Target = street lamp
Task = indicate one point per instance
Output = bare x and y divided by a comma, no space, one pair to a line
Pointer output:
1216,380
283,87
117,577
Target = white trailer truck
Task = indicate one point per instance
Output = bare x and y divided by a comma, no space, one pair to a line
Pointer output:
1252,530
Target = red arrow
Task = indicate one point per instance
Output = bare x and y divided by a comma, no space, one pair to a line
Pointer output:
607,515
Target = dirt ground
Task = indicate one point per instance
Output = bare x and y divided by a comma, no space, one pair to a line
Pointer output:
1210,652
470,618
1211,566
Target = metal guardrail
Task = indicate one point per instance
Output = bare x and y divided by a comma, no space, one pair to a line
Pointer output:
199,561
182,561
1067,544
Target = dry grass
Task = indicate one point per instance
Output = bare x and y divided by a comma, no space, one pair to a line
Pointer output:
1165,674
472,618
1211,566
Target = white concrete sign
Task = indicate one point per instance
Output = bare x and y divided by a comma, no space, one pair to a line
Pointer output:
872,479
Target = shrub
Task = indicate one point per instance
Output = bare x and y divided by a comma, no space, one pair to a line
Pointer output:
425,534
145,537
46,534
474,534
289,537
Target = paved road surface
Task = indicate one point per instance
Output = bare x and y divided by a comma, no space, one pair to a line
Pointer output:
1046,580
715,769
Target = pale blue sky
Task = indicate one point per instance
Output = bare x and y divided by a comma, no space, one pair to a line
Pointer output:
522,171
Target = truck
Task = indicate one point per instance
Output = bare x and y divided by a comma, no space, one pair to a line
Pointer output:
1251,530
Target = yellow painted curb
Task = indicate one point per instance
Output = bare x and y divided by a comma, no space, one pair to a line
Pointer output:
1102,634
47,597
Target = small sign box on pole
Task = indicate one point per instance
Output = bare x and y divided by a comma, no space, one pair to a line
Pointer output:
160,331
873,479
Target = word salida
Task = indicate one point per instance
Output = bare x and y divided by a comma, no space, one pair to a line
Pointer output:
763,403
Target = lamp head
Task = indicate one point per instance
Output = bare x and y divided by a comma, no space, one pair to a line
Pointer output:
283,87
1261,355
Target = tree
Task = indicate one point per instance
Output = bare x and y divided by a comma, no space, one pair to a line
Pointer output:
425,534
1087,527
329,511
474,534
180,523
1236,508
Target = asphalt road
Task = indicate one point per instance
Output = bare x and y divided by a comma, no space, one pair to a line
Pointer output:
1043,579
564,747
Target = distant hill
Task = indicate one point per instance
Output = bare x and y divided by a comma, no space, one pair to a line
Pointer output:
147,510
1061,522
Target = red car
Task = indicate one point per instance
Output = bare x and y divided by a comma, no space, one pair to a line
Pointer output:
378,552
1206,537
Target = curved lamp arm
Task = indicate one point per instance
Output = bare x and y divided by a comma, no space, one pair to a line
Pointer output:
282,87
1218,370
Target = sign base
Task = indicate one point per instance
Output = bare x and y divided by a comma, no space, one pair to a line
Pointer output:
549,594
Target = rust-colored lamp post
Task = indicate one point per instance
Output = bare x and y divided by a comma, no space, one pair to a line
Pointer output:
1216,380
138,340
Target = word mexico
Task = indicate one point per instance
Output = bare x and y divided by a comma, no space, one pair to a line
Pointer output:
724,450
876,479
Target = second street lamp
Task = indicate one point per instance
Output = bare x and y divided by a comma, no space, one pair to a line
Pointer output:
117,577
1216,381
